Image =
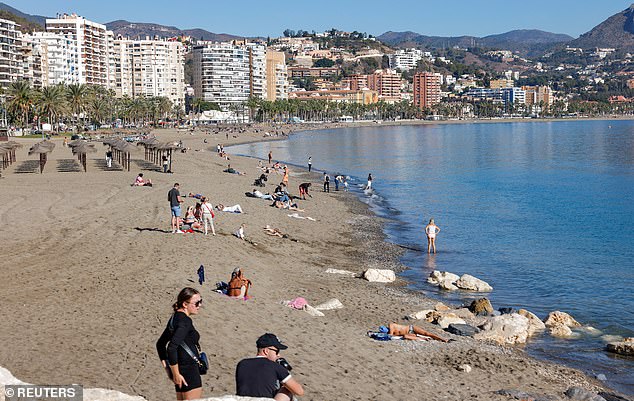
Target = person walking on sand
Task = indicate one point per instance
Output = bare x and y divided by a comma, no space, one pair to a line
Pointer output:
207,214
431,230
285,179
369,186
326,182
270,156
175,200
310,163
179,349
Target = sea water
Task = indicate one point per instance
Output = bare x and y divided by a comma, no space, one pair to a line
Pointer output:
542,211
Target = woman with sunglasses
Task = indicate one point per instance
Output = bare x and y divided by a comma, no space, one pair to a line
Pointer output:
180,367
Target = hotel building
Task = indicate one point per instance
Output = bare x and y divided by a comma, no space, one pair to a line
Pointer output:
57,64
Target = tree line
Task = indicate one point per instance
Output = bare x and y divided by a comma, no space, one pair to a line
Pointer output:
78,104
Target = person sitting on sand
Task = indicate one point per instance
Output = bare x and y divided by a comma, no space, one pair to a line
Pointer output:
238,284
140,182
303,190
410,332
229,209
190,219
231,170
240,232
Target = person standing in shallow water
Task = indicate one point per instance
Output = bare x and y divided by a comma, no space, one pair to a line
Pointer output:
369,186
431,230
310,163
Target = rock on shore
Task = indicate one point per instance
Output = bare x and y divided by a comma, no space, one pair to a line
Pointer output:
625,347
450,282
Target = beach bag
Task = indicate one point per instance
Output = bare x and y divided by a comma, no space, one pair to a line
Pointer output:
202,361
236,283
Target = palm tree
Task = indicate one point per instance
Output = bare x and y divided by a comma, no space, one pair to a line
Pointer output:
77,94
51,101
20,98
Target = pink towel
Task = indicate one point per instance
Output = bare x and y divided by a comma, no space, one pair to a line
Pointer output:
298,303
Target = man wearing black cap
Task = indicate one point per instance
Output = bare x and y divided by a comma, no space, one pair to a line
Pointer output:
263,377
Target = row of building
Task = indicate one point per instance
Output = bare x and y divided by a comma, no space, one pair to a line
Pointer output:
76,50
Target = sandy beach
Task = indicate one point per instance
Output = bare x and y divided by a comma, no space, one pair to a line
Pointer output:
90,269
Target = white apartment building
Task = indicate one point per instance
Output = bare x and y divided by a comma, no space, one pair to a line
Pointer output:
31,56
228,74
148,67
57,64
405,60
10,43
89,57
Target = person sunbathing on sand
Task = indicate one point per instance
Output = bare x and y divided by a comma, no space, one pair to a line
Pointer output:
231,170
287,205
229,209
410,332
197,196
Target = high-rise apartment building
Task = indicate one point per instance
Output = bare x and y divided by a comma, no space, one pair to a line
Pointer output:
88,58
10,56
427,89
276,76
406,59
228,74
57,64
31,57
387,83
148,68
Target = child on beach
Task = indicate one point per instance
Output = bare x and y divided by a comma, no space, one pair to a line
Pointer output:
240,232
431,230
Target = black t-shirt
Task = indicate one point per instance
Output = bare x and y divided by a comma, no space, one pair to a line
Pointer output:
181,331
259,377
172,196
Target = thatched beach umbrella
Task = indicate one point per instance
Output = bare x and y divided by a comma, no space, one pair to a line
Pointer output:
42,148
81,149
149,144
7,151
167,149
121,151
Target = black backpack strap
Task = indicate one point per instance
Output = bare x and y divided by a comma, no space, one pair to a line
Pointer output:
184,346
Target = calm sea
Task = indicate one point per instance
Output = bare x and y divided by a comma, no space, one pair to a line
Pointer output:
543,211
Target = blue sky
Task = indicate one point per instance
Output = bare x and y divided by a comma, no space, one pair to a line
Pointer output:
270,18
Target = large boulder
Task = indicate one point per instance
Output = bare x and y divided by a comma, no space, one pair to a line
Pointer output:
447,286
625,347
468,282
557,317
379,275
464,330
560,330
505,329
464,313
535,324
445,320
481,307
580,394
436,277
420,314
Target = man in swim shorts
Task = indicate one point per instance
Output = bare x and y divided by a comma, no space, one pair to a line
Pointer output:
175,200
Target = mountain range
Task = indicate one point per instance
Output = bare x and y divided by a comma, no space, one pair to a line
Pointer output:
615,32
